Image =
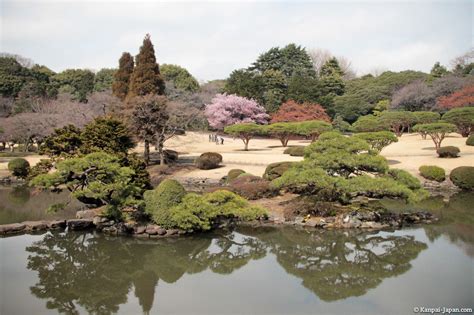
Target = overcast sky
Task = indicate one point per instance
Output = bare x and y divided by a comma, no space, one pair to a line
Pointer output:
211,39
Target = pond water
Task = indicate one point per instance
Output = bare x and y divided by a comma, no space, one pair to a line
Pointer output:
247,271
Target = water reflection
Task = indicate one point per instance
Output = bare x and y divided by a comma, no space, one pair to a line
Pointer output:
97,272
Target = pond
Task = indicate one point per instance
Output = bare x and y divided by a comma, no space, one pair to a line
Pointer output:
247,271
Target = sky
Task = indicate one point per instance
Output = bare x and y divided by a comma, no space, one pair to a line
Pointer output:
211,39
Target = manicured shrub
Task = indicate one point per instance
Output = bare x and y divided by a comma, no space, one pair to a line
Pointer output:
275,170
197,212
19,167
42,167
159,201
463,177
405,178
253,187
432,172
208,160
170,155
234,173
448,152
470,140
378,139
295,151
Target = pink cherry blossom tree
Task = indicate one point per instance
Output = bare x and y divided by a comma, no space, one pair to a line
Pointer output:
225,110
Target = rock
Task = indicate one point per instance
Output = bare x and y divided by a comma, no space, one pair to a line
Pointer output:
89,214
80,224
12,228
35,225
161,231
139,229
110,230
151,230
373,225
57,224
99,220
172,232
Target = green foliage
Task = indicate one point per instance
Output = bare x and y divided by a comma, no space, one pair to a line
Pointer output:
405,178
108,135
463,177
368,123
140,177
438,70
295,151
180,77
146,77
378,140
63,142
432,172
341,125
208,160
104,79
470,140
96,179
197,212
282,131
362,94
397,121
330,77
448,152
312,128
78,82
437,131
159,201
275,170
19,167
42,167
245,131
426,117
463,118
233,174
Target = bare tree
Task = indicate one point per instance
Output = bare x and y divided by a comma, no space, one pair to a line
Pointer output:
320,56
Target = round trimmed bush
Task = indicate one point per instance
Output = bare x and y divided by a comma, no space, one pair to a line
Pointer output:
234,173
448,152
295,151
160,200
432,172
19,167
470,140
208,160
463,177
275,170
405,178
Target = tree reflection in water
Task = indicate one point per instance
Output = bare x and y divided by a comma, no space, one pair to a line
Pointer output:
97,272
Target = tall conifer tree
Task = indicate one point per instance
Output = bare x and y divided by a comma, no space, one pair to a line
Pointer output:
146,77
122,76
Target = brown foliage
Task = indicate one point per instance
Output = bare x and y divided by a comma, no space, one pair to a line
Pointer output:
292,111
461,98
253,187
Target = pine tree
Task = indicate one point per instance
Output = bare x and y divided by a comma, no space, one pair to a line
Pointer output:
122,76
330,77
146,77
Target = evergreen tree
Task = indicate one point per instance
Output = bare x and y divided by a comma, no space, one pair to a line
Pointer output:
146,77
331,78
122,76
438,70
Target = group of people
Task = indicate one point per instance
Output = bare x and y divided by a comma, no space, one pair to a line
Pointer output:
215,138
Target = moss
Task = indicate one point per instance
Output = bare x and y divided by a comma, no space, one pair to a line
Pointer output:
19,167
448,152
197,212
432,172
463,177
470,140
276,170
208,160
295,151
234,173
160,200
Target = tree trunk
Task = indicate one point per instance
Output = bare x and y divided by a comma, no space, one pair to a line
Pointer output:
246,144
146,153
160,142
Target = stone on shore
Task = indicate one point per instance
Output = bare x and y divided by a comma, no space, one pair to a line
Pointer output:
12,228
35,225
80,224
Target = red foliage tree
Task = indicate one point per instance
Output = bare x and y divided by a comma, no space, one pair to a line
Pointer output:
292,111
460,98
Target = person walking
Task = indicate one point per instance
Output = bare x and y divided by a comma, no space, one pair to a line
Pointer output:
210,137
